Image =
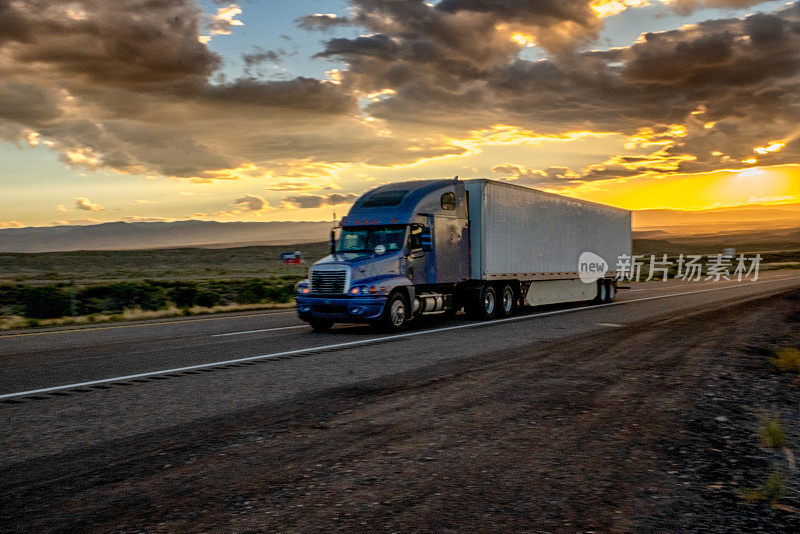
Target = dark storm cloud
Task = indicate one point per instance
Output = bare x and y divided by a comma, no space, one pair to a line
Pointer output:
300,94
686,7
321,21
126,41
263,56
316,201
742,72
536,177
24,102
554,176
533,12
251,203
458,39
126,85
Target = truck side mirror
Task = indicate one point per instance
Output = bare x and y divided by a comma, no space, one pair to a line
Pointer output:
333,241
426,239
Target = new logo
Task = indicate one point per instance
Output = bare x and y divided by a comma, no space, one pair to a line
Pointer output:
591,267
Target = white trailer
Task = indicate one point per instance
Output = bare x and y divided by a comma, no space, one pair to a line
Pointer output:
538,238
434,247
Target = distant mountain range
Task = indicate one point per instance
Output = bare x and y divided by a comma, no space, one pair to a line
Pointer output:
149,235
719,220
774,220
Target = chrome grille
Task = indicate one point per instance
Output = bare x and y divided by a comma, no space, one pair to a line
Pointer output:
331,282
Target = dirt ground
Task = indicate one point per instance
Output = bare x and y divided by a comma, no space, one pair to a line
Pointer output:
650,427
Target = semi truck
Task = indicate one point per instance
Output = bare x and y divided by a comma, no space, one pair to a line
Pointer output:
411,249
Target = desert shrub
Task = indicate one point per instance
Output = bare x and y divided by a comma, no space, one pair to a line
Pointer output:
772,434
45,302
10,299
787,359
773,490
184,296
104,298
207,298
90,305
252,292
9,294
153,298
113,298
280,293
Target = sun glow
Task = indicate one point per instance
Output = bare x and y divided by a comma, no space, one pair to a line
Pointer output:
775,146
749,173
609,8
766,185
523,40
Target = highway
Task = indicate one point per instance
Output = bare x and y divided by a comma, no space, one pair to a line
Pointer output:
79,387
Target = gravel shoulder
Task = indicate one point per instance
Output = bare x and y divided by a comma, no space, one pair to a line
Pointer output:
654,426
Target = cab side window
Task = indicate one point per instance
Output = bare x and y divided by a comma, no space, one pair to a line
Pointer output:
449,201
415,237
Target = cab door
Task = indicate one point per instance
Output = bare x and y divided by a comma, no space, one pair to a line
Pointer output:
418,260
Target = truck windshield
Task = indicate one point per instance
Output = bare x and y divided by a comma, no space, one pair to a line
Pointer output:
366,238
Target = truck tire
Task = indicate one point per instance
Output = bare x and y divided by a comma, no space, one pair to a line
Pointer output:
321,325
483,305
611,291
602,292
396,314
508,301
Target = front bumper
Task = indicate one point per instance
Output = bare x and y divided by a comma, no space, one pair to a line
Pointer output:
341,309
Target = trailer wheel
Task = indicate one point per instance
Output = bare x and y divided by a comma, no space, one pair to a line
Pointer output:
602,292
483,304
508,302
321,325
611,291
396,313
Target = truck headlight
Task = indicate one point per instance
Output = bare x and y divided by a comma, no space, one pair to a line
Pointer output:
368,290
302,288
358,290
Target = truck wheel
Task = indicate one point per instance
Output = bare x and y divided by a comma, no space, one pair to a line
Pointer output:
611,291
395,315
507,301
321,325
602,292
485,305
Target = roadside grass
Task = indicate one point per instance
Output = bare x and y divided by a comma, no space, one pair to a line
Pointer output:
85,287
772,433
773,490
15,322
120,301
91,267
780,266
787,359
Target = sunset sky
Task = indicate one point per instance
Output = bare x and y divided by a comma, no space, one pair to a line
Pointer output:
274,110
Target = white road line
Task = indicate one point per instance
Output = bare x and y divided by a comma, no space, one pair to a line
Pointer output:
702,283
371,340
614,325
261,330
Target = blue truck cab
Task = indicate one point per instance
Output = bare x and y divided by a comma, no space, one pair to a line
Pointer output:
402,251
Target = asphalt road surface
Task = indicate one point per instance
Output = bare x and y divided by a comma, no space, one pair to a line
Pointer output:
562,417
76,387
